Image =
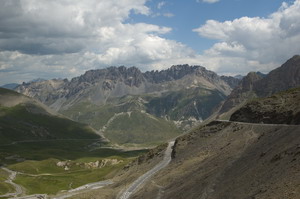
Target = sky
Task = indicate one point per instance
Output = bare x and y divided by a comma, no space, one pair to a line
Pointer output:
64,38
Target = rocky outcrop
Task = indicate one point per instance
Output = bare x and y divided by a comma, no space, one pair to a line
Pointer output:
260,85
68,164
281,108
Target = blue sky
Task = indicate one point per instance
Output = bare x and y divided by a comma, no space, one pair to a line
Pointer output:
190,14
64,38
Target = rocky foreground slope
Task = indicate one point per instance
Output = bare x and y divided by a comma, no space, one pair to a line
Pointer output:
230,159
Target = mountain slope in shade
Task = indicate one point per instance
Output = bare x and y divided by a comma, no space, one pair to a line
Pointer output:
11,86
260,85
22,118
180,96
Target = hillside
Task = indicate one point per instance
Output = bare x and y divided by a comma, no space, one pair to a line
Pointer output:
281,108
258,85
169,101
24,119
48,151
228,159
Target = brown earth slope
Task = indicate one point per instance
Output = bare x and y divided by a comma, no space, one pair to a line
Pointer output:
228,160
234,161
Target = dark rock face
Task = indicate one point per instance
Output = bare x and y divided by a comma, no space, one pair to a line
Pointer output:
285,77
260,85
282,108
231,81
241,92
130,76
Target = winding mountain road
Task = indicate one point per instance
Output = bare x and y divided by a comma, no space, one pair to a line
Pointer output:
142,179
256,124
82,189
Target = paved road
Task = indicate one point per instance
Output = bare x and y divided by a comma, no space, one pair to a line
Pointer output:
83,188
142,179
34,196
256,124
11,177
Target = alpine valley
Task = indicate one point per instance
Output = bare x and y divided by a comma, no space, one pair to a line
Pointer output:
131,107
227,137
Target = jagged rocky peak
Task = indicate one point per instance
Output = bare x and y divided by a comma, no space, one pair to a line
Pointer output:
249,80
176,72
130,76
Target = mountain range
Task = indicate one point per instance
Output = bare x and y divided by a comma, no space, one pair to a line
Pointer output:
129,106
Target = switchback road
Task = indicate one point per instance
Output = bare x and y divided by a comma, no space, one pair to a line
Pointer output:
142,179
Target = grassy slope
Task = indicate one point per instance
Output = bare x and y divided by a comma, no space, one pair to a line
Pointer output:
96,116
140,128
17,123
50,139
196,102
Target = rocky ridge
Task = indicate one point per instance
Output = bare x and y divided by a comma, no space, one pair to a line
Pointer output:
121,102
102,84
260,85
281,108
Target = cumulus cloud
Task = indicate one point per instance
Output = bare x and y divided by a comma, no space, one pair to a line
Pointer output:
250,42
63,38
55,27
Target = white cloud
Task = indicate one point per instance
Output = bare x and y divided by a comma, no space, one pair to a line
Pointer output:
267,42
208,1
161,4
63,38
